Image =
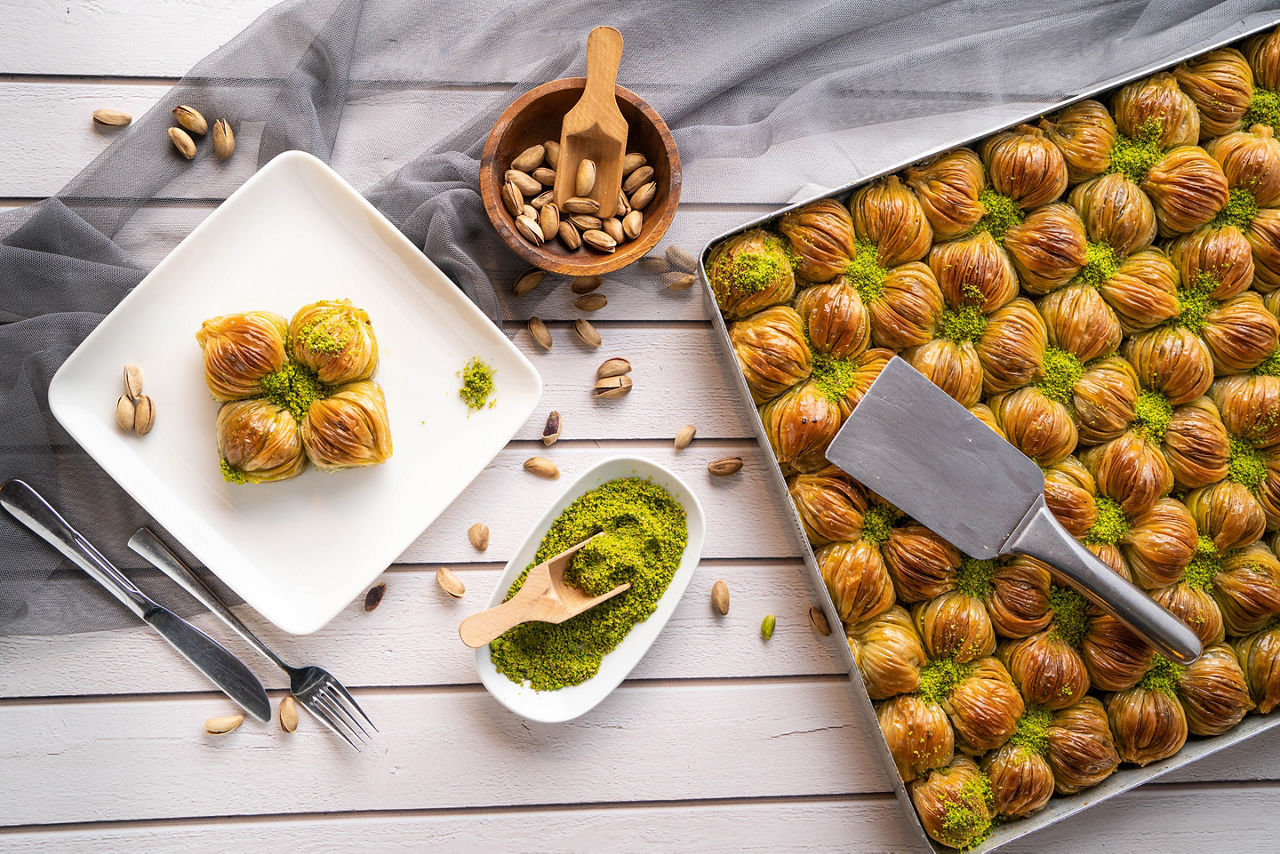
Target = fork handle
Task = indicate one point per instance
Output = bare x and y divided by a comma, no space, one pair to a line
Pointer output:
604,55
147,544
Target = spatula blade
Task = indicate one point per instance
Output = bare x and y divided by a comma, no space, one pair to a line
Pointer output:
911,443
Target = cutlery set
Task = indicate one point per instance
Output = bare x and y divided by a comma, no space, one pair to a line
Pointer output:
313,687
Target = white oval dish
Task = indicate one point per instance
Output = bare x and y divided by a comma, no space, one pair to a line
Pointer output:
567,703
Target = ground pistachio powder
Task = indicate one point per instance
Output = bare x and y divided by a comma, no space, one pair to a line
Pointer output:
294,387
477,384
645,533
1000,213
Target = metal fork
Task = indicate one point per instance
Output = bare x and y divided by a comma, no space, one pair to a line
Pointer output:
313,687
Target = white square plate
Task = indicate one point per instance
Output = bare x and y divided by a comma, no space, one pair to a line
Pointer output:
299,550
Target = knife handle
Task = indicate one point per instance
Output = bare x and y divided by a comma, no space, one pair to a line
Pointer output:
29,507
1042,536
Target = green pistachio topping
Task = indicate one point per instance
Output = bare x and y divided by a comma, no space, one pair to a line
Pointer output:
1163,676
1033,730
645,533
1100,264
1111,526
329,333
1134,156
294,387
1240,209
1204,566
1062,370
865,273
1000,213
966,324
231,475
967,818
748,272
940,677
1270,366
1246,465
876,524
1152,413
1070,615
1264,109
974,576
834,377
477,384
1195,305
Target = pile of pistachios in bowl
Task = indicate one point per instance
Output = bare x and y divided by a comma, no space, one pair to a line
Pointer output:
528,196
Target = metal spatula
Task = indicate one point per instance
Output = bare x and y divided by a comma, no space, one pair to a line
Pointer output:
909,442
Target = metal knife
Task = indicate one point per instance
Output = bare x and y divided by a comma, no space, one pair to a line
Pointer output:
909,442
207,655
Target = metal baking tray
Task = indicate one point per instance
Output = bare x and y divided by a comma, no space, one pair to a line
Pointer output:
1059,806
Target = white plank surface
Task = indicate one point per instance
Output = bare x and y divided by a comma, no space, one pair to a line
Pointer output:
720,741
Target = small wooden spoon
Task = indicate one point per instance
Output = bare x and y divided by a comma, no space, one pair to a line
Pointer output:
595,129
544,597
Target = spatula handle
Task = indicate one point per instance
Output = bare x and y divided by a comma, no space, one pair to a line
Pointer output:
1042,536
604,54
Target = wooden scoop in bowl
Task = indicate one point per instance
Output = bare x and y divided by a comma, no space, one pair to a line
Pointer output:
544,597
595,129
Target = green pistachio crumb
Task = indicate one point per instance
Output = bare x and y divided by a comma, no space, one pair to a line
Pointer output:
294,387
1270,366
834,377
1070,615
1163,676
966,324
1134,156
974,576
1240,209
1246,465
1264,109
1100,264
1111,526
876,524
1152,413
940,677
865,273
1204,566
968,817
231,475
1033,730
1000,213
766,627
477,384
1062,370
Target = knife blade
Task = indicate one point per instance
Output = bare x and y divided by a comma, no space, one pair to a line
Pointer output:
205,654
909,442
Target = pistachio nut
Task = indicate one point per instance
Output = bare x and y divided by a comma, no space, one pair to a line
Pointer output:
681,259
720,597
552,149
632,224
632,162
612,388
585,180
615,367
478,536
183,142
223,724
512,199
637,179
529,159
581,205
654,264
543,199
529,229
585,222
684,436
586,333
224,141
569,235
591,302
450,583
551,430
527,281
373,598
726,466
540,334
549,220
613,227
190,119
542,467
133,381
111,118
524,182
586,284
125,413
288,713
544,176
641,198
599,240
677,281
766,627
818,619
144,415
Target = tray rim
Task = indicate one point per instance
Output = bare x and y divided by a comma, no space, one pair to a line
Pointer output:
1060,806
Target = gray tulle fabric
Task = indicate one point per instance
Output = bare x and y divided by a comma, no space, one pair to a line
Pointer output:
768,101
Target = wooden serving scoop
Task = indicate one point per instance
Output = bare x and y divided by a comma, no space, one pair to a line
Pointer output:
595,129
544,597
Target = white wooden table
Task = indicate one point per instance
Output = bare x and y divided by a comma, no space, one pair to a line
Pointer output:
718,741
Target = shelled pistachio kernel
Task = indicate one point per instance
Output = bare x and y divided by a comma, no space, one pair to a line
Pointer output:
540,334
720,597
450,583
183,142
478,536
766,627
551,430
288,713
373,598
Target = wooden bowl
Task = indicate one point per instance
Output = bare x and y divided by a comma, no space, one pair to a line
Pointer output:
534,118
